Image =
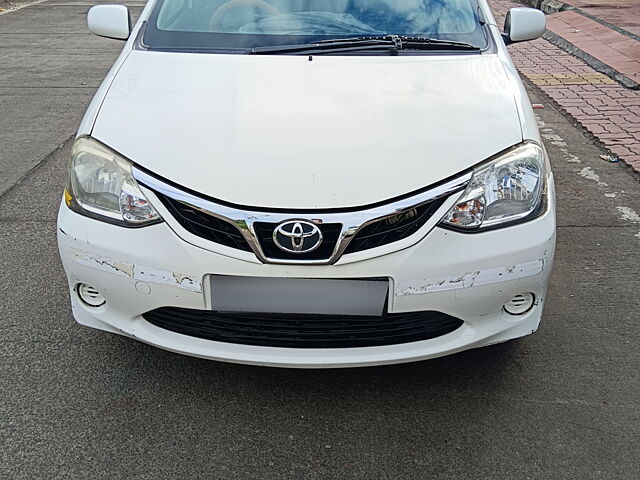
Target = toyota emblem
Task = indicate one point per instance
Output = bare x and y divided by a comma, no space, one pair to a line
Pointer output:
297,236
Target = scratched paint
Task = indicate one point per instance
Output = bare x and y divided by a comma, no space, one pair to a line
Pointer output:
152,275
137,272
472,279
100,262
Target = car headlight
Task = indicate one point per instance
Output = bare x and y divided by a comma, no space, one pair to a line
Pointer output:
101,186
508,189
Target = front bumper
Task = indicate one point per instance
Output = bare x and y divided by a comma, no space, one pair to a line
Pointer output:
468,276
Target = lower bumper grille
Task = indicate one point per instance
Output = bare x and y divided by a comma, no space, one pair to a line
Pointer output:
304,331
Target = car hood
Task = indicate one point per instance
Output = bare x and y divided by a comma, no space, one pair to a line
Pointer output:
302,132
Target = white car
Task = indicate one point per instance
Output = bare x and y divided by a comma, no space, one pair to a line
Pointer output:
310,183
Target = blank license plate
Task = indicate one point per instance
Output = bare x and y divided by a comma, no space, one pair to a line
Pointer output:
298,295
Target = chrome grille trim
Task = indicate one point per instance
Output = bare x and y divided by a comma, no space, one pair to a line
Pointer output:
351,222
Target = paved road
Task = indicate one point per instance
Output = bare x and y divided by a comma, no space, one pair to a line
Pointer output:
77,403
50,66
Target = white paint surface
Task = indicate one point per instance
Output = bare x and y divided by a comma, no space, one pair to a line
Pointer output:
628,214
286,132
589,174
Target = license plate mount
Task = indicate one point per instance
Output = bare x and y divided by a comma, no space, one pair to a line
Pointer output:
320,296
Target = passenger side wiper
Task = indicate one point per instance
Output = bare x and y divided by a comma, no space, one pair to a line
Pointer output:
387,42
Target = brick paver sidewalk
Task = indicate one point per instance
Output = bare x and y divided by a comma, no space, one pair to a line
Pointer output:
612,48
621,13
608,110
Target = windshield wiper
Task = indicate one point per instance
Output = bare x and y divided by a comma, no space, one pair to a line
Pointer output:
403,42
388,42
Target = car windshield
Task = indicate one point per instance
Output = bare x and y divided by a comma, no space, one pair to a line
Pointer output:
245,24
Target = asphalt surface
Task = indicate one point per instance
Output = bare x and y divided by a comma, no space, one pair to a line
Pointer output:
50,67
78,403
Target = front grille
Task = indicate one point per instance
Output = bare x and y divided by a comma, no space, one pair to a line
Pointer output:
330,235
394,228
304,331
225,224
374,235
204,225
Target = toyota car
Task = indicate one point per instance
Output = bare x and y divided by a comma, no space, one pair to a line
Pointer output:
310,183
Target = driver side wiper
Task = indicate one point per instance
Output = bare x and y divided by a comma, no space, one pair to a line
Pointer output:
387,42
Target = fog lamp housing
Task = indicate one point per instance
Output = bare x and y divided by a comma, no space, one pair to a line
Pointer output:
90,295
520,304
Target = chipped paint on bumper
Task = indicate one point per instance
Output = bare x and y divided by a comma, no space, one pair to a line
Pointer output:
137,272
473,279
467,276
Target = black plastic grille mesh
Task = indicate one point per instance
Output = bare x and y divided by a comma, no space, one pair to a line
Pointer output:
304,331
394,228
205,225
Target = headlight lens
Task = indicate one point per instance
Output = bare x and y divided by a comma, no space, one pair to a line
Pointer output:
505,190
101,185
